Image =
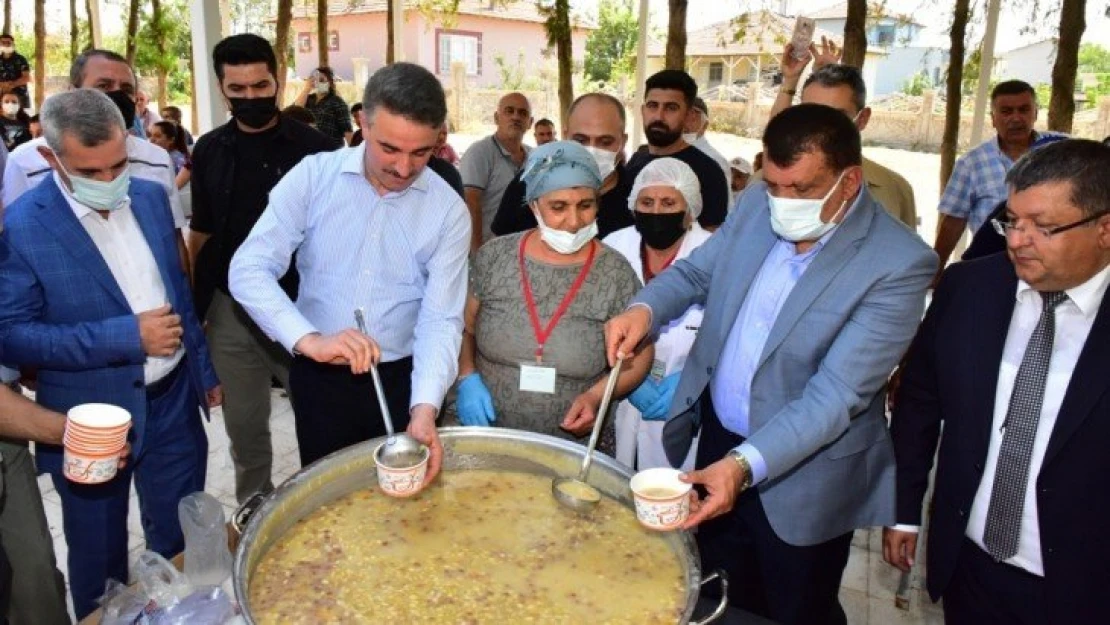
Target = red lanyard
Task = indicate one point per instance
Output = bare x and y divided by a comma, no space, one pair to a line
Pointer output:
543,333
648,275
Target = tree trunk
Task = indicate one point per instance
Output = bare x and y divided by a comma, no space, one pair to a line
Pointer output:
132,32
855,34
40,52
160,46
951,138
676,35
281,43
7,16
322,31
1061,108
389,32
74,36
563,52
92,25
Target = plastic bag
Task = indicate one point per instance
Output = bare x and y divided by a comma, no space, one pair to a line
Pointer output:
207,559
159,581
121,604
208,604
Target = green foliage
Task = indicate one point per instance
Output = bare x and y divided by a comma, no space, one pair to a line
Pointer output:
514,77
611,49
918,84
1093,59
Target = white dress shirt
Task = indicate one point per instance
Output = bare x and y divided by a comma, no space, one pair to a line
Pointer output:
26,169
400,256
128,256
1074,318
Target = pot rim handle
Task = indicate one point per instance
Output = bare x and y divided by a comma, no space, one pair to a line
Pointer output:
245,512
723,605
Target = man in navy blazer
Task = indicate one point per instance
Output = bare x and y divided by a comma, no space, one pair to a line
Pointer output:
812,292
1018,531
93,295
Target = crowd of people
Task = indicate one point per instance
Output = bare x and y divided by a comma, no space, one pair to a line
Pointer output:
766,320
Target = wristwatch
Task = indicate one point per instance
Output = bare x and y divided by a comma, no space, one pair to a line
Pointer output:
745,468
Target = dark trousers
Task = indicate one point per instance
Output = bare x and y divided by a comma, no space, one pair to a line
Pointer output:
985,592
333,408
171,465
786,583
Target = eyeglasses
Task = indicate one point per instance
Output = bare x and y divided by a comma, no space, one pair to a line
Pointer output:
1004,227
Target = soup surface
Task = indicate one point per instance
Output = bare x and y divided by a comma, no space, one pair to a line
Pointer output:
476,547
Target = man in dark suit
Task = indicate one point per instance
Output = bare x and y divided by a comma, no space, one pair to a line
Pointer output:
1011,358
93,294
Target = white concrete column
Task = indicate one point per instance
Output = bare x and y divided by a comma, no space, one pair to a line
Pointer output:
641,71
206,24
986,66
398,30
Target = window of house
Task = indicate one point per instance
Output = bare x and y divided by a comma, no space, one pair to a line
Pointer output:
333,40
458,46
883,36
304,42
716,73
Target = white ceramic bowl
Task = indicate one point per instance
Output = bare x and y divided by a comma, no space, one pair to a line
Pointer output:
662,500
85,469
403,481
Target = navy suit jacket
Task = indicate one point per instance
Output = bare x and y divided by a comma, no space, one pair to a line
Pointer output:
62,312
950,377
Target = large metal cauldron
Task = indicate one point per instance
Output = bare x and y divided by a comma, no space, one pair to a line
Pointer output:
465,448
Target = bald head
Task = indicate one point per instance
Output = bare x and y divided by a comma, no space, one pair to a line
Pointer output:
513,117
597,120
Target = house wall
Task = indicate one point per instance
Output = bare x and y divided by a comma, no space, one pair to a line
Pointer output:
902,64
1033,64
364,35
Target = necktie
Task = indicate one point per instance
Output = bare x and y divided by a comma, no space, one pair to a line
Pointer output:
1012,472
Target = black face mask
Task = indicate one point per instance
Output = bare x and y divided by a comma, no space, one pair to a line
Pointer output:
254,112
660,231
126,106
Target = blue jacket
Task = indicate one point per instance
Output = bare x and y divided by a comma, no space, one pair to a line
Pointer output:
62,311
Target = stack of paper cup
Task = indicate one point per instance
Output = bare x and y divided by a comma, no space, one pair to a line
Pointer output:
94,437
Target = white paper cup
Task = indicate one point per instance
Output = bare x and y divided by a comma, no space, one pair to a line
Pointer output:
662,500
99,416
404,481
87,469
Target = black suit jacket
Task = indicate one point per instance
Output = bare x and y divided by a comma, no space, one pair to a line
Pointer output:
951,376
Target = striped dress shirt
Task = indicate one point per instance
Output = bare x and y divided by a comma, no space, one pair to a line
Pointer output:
402,257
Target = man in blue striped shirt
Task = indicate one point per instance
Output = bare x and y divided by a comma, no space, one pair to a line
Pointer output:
372,228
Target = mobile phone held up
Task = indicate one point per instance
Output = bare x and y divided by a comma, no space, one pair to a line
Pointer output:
802,36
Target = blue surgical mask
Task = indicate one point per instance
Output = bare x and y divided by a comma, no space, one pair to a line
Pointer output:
97,195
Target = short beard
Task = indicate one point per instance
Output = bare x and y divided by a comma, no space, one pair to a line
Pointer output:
658,138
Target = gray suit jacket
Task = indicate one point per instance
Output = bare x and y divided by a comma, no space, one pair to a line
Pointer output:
816,412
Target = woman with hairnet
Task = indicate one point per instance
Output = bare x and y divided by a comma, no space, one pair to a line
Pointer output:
665,202
533,352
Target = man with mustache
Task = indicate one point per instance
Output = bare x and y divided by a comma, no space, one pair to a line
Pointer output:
372,229
978,182
668,100
491,164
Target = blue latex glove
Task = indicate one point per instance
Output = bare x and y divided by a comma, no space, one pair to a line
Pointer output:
658,410
646,394
474,404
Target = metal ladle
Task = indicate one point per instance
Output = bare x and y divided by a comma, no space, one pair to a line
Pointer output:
400,451
575,493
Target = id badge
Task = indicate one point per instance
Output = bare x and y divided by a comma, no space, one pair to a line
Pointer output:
537,378
658,370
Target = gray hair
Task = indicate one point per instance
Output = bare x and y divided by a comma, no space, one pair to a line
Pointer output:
840,75
85,114
408,90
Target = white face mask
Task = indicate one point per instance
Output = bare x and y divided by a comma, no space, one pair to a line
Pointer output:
11,109
690,137
322,87
800,219
606,160
6,49
564,242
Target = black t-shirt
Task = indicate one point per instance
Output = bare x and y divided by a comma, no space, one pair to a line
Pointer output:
714,187
14,133
12,68
448,172
612,211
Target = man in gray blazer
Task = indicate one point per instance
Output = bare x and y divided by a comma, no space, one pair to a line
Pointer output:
812,293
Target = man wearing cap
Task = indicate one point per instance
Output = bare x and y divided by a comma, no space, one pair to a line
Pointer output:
697,122
741,171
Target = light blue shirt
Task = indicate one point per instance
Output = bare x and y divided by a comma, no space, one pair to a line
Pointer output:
978,182
731,385
402,257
